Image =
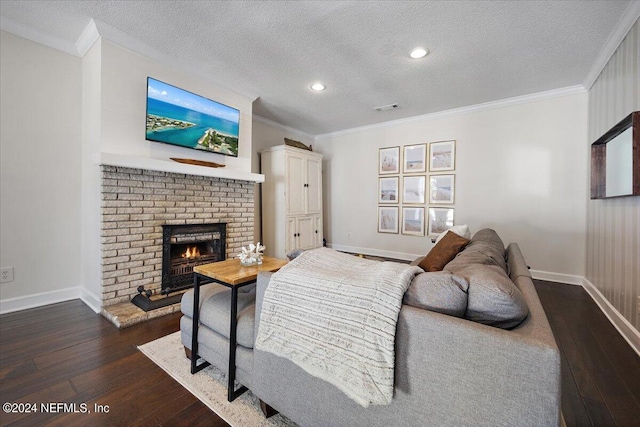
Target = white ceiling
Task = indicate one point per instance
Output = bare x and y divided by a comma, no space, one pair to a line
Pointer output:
479,51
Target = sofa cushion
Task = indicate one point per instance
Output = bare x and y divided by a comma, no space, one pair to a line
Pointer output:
493,298
215,310
438,291
443,252
485,247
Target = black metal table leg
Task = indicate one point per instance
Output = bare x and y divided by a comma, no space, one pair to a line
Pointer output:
194,329
232,393
198,280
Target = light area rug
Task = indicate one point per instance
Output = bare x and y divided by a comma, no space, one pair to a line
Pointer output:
209,385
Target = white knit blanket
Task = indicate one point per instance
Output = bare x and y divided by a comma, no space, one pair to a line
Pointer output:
335,316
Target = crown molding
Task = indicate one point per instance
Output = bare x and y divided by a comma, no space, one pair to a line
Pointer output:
538,96
96,29
282,127
34,35
628,19
89,36
119,38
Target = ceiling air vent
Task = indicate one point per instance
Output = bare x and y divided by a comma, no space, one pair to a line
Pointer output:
387,107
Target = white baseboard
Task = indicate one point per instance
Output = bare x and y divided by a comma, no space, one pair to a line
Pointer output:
91,300
626,329
37,300
569,279
374,252
45,298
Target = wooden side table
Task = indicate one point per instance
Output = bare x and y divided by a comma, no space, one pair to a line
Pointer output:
232,274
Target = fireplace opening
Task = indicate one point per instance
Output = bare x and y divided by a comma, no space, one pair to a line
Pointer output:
185,256
183,248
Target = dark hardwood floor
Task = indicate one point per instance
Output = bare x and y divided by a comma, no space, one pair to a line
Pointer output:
600,371
66,353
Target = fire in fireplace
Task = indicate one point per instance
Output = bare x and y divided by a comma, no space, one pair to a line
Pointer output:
184,247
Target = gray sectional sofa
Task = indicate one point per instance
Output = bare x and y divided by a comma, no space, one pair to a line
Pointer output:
450,371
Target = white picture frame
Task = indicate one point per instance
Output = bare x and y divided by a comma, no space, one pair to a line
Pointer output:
440,220
442,156
389,161
413,221
388,219
442,189
388,189
413,189
415,158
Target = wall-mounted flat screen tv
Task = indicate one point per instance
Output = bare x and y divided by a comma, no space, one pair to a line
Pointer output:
176,116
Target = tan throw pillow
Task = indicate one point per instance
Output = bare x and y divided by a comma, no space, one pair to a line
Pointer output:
443,252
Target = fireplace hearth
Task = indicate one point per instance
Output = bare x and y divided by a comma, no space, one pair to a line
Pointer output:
183,247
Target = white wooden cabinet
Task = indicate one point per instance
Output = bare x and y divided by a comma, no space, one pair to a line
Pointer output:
291,200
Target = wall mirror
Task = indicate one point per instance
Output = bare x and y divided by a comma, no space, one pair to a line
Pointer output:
615,160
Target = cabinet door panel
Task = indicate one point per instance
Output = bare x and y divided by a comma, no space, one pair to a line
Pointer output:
295,185
317,230
314,187
306,231
290,239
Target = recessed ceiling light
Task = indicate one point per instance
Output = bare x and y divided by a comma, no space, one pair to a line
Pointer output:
318,87
387,107
418,53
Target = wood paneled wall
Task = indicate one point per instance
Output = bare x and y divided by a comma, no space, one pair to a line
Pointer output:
613,225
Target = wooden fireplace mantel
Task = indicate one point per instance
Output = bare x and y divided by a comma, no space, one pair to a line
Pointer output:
112,159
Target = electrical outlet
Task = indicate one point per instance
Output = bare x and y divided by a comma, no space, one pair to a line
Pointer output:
6,275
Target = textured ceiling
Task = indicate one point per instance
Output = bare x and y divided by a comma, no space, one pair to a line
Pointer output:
479,51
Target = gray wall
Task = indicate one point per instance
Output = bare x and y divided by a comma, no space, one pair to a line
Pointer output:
518,170
40,173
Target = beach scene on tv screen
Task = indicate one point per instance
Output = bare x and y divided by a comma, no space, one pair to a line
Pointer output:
175,116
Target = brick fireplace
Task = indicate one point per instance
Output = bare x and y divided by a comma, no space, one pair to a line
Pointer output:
137,203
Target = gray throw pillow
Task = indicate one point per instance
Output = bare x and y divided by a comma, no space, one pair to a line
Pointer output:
468,258
485,247
438,291
493,298
490,236
294,254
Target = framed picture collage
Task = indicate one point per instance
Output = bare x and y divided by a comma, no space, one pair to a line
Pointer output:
412,177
